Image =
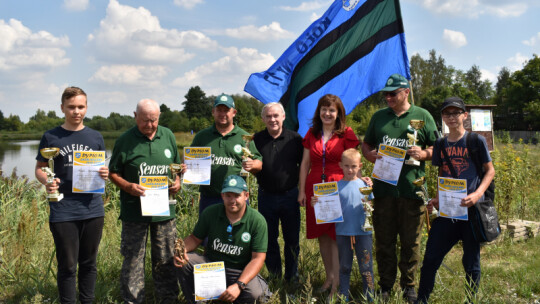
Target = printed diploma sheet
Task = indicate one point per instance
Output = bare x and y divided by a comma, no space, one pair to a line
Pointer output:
86,178
198,161
388,168
451,192
210,280
328,206
155,201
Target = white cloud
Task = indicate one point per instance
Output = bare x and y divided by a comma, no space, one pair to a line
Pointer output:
534,41
187,4
263,33
233,69
21,48
76,5
113,97
517,61
314,17
306,6
475,8
130,34
130,75
487,75
454,39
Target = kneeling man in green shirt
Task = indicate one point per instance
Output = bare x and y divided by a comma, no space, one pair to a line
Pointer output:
237,234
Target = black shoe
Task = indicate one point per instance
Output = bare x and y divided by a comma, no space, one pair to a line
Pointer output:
410,295
383,295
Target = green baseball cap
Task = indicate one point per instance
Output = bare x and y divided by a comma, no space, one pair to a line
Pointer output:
396,81
225,100
235,184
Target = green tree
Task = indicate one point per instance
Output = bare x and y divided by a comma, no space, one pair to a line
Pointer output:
39,116
474,82
1,120
429,74
523,97
196,103
501,111
13,123
52,114
248,115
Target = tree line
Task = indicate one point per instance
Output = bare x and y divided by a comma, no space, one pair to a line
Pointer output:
516,95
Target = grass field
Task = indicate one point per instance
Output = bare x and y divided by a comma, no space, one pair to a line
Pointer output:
510,270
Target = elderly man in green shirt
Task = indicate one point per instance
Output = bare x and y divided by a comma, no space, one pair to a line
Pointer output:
145,150
237,235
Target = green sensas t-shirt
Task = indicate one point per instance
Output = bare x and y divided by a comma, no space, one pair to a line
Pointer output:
226,155
387,128
135,155
248,235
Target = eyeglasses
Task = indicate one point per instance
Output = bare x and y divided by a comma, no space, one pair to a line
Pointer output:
452,114
229,231
393,94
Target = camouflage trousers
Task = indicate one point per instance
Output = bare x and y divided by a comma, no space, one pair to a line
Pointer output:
133,249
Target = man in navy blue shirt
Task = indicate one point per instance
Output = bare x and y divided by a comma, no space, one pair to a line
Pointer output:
76,221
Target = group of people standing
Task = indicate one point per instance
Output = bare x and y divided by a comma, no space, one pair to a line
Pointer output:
286,166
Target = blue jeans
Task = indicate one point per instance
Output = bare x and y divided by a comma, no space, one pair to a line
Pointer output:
284,207
444,234
363,247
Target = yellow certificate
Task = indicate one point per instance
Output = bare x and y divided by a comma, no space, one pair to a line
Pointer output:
86,178
155,201
210,280
328,206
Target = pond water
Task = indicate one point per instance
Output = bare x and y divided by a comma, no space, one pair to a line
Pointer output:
21,156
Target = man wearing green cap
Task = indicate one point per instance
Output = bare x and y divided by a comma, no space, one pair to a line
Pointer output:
237,235
397,209
225,140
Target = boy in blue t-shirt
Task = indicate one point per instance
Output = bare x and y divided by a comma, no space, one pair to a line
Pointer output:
350,233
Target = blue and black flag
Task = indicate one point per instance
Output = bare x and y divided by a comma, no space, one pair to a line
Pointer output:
349,52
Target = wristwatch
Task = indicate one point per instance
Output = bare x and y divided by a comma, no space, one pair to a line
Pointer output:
241,284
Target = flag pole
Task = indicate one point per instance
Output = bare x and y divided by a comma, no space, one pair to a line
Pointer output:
412,94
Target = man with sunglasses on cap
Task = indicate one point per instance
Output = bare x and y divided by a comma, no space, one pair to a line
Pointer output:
237,235
225,140
397,209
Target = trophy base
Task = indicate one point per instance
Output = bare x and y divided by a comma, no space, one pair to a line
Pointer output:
172,202
243,173
412,162
367,228
55,197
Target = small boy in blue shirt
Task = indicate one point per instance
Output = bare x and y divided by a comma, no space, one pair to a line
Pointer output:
350,233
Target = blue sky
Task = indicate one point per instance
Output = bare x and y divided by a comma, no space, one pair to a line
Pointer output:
120,51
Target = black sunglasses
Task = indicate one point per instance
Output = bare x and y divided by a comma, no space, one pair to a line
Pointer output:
393,94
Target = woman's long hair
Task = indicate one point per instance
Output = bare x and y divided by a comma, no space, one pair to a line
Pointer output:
327,101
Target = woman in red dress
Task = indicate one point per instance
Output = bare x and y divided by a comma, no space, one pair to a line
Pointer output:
323,144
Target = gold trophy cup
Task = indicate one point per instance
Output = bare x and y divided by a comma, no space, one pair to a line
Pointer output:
366,191
50,154
246,153
416,124
175,169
